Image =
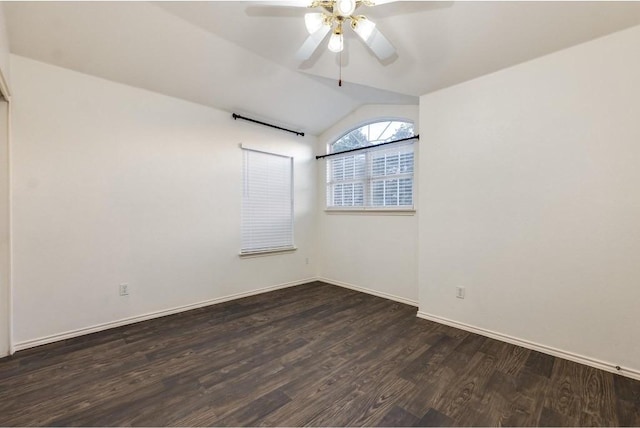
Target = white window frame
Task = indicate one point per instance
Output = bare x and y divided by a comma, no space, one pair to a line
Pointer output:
260,211
367,178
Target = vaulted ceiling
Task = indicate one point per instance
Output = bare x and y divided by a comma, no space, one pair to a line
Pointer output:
239,56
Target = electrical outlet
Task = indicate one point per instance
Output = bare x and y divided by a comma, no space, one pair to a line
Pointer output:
124,289
306,261
460,292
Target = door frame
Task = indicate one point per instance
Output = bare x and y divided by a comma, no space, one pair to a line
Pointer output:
5,97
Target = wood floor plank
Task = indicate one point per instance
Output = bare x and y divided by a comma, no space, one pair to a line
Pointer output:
256,410
490,406
434,380
371,394
598,398
540,363
526,405
627,389
512,360
433,418
552,418
627,413
314,354
563,394
397,417
429,360
468,387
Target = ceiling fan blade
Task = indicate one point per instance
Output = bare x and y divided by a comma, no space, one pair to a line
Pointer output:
285,3
311,44
379,45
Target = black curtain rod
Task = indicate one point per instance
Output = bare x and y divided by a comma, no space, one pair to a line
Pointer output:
237,116
415,137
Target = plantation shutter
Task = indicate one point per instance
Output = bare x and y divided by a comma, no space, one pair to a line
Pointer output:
372,178
391,176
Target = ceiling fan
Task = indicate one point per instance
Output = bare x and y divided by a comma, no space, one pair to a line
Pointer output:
333,17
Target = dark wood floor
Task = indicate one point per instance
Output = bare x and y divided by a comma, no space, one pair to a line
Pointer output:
309,355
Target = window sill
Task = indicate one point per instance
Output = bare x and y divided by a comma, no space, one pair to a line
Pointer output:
264,253
371,211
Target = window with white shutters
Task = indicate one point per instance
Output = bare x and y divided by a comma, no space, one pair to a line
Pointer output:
267,203
373,177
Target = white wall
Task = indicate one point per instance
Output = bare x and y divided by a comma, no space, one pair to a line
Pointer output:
5,260
530,199
4,48
114,184
375,253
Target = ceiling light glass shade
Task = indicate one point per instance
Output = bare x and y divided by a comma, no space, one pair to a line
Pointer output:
313,21
345,7
336,42
364,28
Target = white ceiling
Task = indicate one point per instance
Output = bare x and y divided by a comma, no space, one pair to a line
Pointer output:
239,56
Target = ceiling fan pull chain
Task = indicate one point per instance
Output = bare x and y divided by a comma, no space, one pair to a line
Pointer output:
340,70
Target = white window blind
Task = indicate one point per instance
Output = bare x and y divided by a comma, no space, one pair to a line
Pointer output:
267,203
376,177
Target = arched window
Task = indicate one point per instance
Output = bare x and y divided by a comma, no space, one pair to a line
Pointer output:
372,134
372,177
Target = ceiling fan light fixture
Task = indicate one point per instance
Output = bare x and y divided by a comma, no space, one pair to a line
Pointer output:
313,21
335,14
336,42
364,28
345,7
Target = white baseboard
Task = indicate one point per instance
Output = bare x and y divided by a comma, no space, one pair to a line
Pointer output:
370,291
610,367
156,314
603,365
